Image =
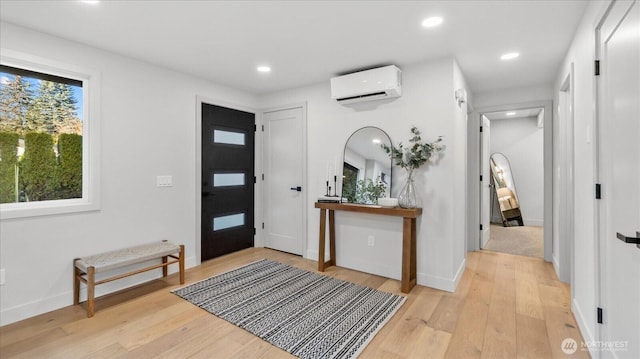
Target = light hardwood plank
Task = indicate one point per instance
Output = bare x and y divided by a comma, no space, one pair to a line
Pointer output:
468,338
527,295
445,316
532,339
111,351
433,344
499,341
409,325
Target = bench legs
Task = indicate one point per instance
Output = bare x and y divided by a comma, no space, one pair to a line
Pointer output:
90,279
164,266
76,283
91,286
181,263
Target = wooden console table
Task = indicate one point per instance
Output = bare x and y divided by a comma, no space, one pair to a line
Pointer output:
408,235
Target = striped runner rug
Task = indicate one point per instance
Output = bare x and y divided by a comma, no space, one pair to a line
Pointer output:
307,314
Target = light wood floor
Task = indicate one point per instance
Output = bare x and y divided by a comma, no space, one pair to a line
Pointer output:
506,306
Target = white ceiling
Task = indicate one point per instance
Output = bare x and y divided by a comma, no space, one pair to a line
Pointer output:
307,42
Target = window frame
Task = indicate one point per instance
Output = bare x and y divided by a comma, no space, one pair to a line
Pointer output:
90,79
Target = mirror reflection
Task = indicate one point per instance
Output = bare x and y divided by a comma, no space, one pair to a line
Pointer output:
504,191
366,173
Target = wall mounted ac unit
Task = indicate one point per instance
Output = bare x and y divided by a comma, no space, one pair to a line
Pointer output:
375,84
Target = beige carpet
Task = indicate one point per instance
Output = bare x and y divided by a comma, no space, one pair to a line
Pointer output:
524,241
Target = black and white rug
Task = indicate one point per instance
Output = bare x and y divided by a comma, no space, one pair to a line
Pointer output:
307,314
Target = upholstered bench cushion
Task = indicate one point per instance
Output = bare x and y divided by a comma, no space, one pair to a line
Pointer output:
123,257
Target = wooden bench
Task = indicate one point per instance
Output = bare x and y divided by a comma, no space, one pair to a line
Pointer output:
85,269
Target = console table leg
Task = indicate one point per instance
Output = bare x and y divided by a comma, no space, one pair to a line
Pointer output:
323,223
409,270
332,237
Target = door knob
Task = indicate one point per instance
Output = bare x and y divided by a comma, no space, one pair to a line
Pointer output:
625,239
299,189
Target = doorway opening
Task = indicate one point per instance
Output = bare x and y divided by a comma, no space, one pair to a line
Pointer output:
513,194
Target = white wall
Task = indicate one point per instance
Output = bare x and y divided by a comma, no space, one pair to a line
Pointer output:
427,102
460,177
512,96
582,55
148,129
521,141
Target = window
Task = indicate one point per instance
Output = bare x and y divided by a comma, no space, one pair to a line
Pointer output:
48,137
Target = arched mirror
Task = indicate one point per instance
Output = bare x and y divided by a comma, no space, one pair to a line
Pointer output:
505,198
366,171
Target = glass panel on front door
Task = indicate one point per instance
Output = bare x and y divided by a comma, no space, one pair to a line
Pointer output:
228,179
229,137
228,221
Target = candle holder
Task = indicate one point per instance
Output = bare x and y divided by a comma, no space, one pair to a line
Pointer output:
328,190
335,186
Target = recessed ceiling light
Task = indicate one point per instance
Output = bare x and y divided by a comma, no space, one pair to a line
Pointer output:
432,21
509,56
91,2
263,69
510,113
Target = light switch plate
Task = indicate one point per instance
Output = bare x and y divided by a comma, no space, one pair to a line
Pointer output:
165,181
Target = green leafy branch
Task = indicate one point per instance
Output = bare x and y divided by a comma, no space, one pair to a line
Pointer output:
416,154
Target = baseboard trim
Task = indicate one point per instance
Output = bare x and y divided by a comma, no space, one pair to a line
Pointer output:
582,326
556,264
485,237
433,281
311,254
36,307
65,299
442,283
533,222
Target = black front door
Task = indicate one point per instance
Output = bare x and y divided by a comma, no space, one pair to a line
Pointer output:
227,180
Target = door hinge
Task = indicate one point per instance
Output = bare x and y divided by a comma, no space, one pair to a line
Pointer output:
263,176
480,178
598,191
254,231
262,225
254,179
480,128
481,227
599,315
596,68
262,128
255,128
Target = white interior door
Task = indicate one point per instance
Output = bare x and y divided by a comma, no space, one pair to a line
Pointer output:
485,190
284,163
619,126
